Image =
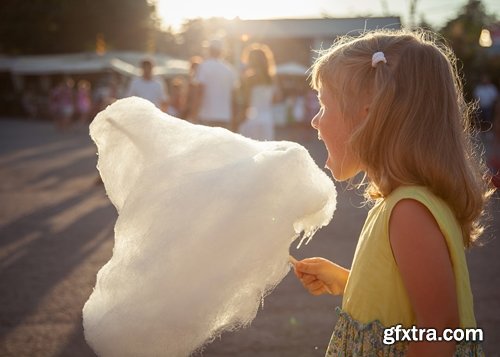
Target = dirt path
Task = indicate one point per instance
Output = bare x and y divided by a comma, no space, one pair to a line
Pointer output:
56,231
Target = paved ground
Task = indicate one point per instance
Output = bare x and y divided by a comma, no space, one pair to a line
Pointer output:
56,231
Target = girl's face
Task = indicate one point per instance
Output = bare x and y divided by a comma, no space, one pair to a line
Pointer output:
333,129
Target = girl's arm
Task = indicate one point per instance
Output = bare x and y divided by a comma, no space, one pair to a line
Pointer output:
321,276
423,260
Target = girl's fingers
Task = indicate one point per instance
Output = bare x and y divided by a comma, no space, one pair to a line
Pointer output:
315,285
317,292
308,268
306,278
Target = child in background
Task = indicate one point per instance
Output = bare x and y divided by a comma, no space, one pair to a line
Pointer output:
494,162
62,103
392,107
83,101
177,102
191,88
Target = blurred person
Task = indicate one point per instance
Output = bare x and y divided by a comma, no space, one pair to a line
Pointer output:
299,108
381,107
30,101
177,103
494,159
83,101
312,104
103,96
215,91
486,93
296,107
62,103
105,93
191,87
259,92
148,87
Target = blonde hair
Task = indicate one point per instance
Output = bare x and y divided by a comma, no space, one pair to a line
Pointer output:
417,128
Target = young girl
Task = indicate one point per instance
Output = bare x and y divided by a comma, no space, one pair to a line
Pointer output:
392,107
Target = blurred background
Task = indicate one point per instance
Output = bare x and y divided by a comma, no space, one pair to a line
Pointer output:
102,42
62,61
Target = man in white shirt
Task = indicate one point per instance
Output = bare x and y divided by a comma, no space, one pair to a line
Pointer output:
148,87
216,85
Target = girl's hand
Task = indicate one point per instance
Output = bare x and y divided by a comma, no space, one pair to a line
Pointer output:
321,276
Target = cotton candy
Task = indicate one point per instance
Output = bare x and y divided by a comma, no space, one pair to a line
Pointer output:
206,220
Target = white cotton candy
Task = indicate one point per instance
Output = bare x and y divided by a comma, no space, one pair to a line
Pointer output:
206,219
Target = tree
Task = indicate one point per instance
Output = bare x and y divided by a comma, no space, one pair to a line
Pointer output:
462,33
195,32
165,41
424,24
59,26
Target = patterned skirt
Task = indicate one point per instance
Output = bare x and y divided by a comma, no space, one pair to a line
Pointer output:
352,338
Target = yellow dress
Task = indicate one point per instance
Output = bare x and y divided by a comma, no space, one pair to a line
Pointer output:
375,297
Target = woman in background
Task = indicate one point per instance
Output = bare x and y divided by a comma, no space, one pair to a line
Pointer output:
259,91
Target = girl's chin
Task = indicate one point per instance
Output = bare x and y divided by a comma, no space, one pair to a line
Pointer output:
331,167
337,172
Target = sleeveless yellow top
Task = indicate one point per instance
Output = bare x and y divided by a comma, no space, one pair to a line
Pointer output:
375,290
375,297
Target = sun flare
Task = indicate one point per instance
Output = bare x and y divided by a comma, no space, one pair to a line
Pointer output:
174,15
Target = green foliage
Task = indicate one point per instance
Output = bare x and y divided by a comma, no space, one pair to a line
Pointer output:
62,26
462,33
195,32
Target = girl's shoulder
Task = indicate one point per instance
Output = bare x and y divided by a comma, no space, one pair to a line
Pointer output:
421,194
425,200
409,191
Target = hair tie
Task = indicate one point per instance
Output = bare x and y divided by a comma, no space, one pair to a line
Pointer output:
378,57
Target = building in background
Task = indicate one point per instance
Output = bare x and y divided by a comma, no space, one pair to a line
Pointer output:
297,40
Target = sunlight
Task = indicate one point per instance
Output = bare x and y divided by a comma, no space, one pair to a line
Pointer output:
485,38
174,13
230,9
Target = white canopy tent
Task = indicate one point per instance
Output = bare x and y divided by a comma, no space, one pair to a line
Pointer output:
291,69
125,63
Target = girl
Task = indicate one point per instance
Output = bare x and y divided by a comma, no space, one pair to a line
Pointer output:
392,107
258,92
